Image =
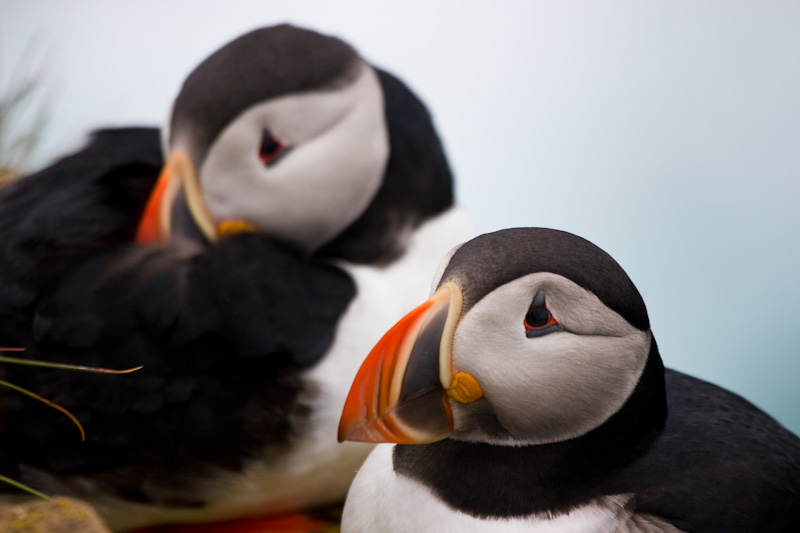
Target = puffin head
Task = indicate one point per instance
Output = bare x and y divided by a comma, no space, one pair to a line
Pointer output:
532,336
285,132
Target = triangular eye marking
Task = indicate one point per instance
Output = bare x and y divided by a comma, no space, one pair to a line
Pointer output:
539,320
271,149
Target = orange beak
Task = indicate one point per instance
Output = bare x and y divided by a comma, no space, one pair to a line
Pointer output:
403,389
155,225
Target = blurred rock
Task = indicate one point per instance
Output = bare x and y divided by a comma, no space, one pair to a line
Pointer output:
60,515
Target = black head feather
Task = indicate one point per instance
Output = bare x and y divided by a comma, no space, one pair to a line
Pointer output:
491,260
263,64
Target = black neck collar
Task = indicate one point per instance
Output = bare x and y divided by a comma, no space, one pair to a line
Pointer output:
487,480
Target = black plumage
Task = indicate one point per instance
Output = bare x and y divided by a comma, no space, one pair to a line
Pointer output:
91,199
221,352
226,331
483,264
716,463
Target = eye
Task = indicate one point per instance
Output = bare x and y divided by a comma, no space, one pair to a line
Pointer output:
271,149
539,320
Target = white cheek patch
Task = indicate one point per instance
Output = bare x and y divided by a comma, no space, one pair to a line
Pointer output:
338,146
560,385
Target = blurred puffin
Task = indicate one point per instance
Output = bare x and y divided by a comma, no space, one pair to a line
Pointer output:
305,195
528,394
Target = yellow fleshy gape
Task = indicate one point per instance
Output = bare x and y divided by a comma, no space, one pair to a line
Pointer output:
465,388
233,226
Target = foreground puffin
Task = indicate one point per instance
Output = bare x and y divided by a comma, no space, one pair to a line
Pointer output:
304,200
528,394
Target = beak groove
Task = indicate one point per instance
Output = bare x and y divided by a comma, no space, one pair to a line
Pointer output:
401,392
155,225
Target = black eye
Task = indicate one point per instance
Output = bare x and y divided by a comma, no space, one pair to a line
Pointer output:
271,149
537,317
539,320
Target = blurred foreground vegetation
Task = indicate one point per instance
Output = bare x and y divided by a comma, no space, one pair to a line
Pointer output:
23,116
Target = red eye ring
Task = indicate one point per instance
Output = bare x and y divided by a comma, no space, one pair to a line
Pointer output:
539,320
270,149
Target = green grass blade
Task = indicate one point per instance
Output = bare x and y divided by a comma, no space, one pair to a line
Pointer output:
63,366
25,488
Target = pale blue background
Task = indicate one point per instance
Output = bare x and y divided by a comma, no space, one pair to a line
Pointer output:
666,132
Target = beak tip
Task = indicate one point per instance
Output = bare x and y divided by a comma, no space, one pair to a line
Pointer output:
398,395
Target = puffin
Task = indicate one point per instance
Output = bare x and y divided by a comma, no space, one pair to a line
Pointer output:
245,255
528,394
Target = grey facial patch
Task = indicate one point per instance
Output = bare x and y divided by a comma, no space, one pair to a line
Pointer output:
417,183
339,152
553,387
